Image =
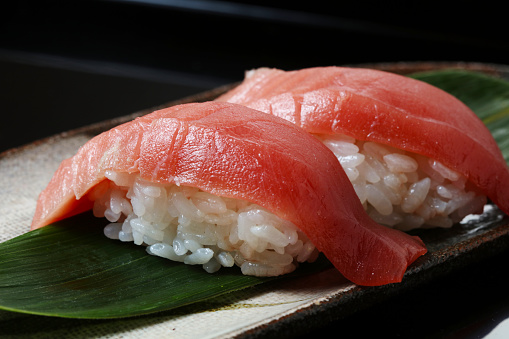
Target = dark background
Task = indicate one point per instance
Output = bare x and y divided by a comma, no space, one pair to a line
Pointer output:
68,64
65,64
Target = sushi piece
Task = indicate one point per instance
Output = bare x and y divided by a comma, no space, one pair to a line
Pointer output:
220,184
417,156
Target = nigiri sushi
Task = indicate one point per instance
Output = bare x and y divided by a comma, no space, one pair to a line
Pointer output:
218,185
416,156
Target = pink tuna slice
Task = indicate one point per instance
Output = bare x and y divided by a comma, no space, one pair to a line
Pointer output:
386,108
234,151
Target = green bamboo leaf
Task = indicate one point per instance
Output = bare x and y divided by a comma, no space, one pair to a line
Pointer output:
486,95
70,269
86,275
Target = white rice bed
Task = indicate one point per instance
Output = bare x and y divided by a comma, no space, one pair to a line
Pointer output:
404,190
398,189
188,225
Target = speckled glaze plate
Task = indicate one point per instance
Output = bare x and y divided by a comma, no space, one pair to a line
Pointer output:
282,308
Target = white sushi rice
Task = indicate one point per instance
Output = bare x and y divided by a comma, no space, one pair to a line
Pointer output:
188,225
398,189
401,189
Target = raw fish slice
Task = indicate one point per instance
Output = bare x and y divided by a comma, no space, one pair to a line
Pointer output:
233,151
385,108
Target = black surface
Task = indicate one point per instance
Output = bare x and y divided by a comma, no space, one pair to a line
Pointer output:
68,64
468,303
40,98
64,64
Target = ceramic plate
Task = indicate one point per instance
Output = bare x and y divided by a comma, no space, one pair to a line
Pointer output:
285,307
